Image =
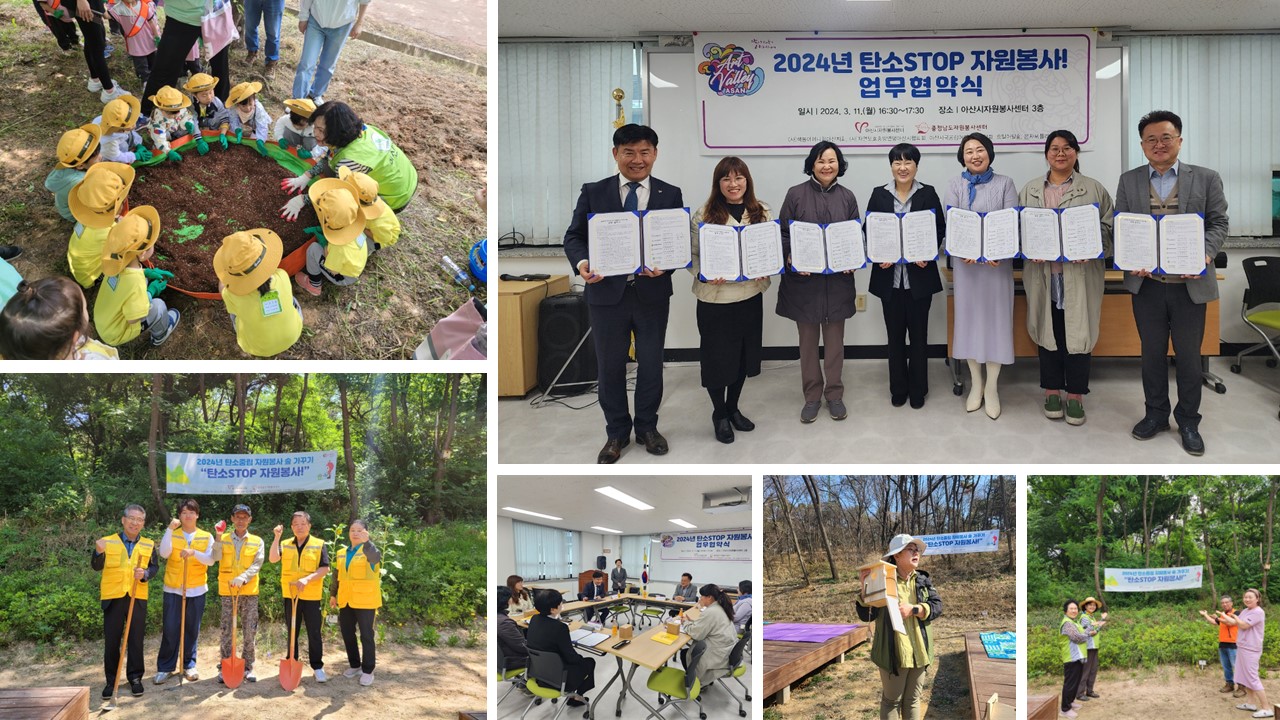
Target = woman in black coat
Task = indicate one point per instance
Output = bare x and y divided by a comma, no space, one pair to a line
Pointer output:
511,642
906,290
548,634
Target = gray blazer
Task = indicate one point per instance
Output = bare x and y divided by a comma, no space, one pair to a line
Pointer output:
1199,191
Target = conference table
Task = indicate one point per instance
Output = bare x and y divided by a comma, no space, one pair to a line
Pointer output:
643,651
632,600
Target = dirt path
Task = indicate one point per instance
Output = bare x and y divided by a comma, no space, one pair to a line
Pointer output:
1167,693
400,691
460,21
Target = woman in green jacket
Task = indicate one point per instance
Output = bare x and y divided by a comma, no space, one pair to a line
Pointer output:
903,659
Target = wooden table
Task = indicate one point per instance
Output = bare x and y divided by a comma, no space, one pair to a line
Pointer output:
518,302
52,703
786,662
988,676
1042,707
643,651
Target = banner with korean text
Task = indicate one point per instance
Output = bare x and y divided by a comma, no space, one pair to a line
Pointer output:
720,545
1153,579
210,474
779,93
966,542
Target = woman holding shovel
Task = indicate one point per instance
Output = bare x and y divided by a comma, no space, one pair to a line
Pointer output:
189,551
127,562
357,593
239,554
305,562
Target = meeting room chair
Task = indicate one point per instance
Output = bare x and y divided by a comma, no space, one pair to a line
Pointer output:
1262,288
676,687
515,677
545,678
653,613
738,668
617,611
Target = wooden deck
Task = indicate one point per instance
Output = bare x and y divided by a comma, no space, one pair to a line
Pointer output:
1042,707
787,662
55,703
988,677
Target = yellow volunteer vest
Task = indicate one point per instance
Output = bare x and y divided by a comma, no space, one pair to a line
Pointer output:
360,584
348,260
121,299
84,253
293,567
386,227
197,572
117,572
231,565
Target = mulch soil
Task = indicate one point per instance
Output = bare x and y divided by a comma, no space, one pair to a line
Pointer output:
205,198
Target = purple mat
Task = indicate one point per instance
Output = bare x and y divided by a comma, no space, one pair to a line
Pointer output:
805,632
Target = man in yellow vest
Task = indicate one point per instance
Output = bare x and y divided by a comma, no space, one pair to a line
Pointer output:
189,551
357,593
305,563
122,559
240,554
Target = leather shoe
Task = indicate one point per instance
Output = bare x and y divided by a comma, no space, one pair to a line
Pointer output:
898,400
724,431
917,403
1148,428
740,422
1191,440
653,441
10,252
612,450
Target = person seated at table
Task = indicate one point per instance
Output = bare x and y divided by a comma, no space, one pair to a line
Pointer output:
522,599
686,591
595,590
548,634
742,609
714,628
512,646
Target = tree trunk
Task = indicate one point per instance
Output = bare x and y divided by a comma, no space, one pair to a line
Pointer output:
204,400
273,439
822,528
1146,523
1271,516
1208,552
1097,552
444,448
297,425
156,381
241,391
346,449
786,516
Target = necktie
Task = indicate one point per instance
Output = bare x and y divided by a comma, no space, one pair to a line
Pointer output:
632,202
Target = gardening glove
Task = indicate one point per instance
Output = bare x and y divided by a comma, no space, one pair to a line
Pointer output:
57,14
295,185
222,140
155,287
156,274
262,148
202,147
143,154
283,143
191,128
173,155
289,211
304,153
239,135
319,233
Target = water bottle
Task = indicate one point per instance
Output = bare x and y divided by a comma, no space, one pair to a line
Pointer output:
457,273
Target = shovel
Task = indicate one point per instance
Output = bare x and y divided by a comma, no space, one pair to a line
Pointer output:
124,641
233,667
290,666
182,629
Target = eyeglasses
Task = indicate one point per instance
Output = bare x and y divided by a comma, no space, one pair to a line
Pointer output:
912,549
135,518
1066,150
1154,141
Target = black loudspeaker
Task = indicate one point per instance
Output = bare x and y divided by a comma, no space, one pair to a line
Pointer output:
562,321
600,562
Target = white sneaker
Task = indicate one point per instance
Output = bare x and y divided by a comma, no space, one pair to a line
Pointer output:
191,675
115,92
95,85
1068,714
1264,714
351,672
320,676
1247,706
1076,706
161,677
366,679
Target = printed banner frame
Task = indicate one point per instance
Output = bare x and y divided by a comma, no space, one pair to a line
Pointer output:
230,474
959,543
1190,577
717,545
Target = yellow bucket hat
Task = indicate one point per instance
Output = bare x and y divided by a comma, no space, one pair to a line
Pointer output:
168,98
121,113
366,190
77,146
247,258
95,201
241,92
304,106
200,82
338,210
130,237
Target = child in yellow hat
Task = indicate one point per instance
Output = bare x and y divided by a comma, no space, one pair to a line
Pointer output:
77,150
120,141
208,110
170,120
341,250
49,320
127,303
95,202
381,222
248,117
293,129
267,318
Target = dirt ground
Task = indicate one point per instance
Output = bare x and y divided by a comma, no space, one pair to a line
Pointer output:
851,691
411,682
1168,693
435,112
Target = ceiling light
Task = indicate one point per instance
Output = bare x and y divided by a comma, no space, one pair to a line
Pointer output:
530,512
605,529
683,524
622,497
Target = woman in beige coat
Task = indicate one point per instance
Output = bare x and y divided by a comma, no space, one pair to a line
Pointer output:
1064,299
714,626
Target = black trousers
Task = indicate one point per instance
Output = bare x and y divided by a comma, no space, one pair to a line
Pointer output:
349,619
908,365
95,44
611,328
590,613
1164,311
64,33
580,677
114,613
142,66
1059,369
171,53
308,614
1071,673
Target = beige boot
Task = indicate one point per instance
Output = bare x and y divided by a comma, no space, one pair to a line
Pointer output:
975,393
990,394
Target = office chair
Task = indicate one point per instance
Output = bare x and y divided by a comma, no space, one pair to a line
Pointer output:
675,687
738,668
1262,275
546,678
514,677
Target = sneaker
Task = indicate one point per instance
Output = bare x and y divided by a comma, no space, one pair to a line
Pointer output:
837,409
366,679
249,676
1053,406
219,678
809,412
320,676
10,252
135,686
250,57
95,85
1083,698
270,65
174,317
1075,412
107,692
1264,714
1228,688
106,53
115,92
351,672
1093,694
1247,706
1076,706
1068,714
161,677
190,673
1239,692
304,281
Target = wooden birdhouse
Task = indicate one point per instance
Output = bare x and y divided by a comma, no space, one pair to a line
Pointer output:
881,585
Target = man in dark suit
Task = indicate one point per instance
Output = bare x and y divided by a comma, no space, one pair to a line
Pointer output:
1167,306
623,304
595,590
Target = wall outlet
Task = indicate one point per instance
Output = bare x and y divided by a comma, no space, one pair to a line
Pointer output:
860,303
